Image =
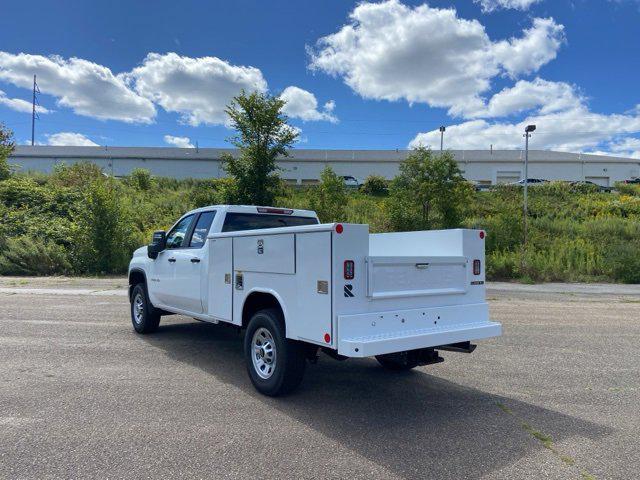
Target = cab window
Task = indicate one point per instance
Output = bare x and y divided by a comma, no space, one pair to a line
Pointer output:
201,229
176,236
235,222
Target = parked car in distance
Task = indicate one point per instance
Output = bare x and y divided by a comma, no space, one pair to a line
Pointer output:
600,188
350,181
530,181
632,181
298,287
480,187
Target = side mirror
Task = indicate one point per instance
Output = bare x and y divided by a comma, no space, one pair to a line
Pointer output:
158,244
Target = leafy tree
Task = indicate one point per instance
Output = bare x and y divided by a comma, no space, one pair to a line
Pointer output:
429,192
262,135
7,146
329,199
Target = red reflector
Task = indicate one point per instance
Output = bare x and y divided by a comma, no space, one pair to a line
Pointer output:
339,228
281,211
481,234
476,267
349,269
327,338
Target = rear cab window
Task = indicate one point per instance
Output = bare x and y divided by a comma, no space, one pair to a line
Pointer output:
200,231
235,222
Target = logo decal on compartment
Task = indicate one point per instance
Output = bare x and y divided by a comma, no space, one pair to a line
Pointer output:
260,247
348,290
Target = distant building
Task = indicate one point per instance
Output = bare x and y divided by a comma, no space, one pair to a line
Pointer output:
304,166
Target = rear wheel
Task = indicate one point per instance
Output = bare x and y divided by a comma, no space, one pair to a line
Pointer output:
144,316
400,361
275,364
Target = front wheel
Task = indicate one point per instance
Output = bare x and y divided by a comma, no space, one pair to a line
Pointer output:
275,364
144,316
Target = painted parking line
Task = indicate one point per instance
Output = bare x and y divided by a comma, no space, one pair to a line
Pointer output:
64,291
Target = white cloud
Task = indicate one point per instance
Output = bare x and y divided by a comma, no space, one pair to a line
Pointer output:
181,142
575,129
492,5
390,51
526,95
538,46
87,88
304,105
197,88
69,139
625,147
20,105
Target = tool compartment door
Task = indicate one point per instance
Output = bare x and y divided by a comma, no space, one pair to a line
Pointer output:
265,253
220,289
312,318
390,277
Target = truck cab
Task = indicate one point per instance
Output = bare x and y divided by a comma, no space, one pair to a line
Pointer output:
299,287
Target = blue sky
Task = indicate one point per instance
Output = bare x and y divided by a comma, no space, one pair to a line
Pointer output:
356,75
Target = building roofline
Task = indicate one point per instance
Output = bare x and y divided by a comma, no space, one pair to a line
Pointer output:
303,155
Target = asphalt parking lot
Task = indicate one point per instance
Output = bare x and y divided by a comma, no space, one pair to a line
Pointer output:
82,396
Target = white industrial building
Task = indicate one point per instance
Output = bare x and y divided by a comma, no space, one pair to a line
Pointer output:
304,166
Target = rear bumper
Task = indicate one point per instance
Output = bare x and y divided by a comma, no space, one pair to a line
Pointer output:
369,334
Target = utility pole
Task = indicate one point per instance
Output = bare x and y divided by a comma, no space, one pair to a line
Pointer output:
527,134
33,112
442,130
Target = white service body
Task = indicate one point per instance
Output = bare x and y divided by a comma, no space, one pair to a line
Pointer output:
409,290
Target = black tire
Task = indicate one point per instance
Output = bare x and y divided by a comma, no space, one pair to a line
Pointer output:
148,319
400,361
288,360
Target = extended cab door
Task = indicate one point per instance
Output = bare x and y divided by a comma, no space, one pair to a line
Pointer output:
179,268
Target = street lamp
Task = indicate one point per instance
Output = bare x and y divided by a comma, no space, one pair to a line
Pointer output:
527,133
442,129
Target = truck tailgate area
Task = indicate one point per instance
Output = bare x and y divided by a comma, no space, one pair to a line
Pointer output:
367,334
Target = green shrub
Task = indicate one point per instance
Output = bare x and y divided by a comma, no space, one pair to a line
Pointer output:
502,265
622,261
77,175
329,198
628,189
33,256
106,230
140,179
6,148
375,185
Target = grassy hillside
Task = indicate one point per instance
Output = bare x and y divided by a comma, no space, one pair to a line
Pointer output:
79,221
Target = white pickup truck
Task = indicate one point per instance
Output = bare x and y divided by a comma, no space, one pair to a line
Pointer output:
299,287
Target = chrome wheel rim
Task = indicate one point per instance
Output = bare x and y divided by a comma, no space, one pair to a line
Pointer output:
138,309
263,353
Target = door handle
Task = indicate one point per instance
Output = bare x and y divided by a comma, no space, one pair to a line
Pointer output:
171,260
195,260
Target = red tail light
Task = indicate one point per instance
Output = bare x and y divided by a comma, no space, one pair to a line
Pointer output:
349,269
476,267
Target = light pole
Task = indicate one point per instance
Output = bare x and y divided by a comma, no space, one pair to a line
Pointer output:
527,133
442,129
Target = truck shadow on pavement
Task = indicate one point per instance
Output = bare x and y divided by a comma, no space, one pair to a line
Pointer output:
414,424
